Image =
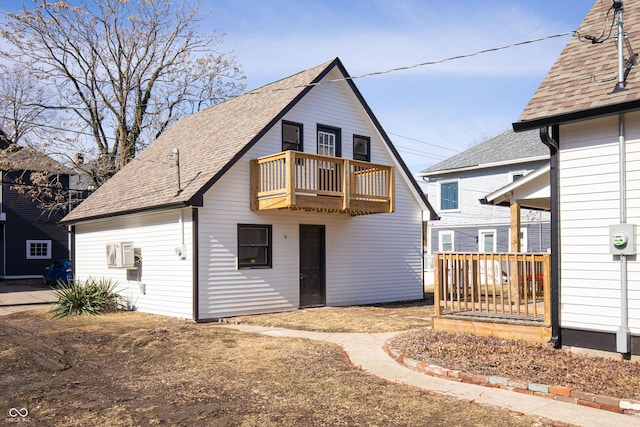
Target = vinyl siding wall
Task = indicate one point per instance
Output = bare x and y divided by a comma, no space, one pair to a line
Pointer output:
466,238
589,203
167,279
473,216
369,259
25,221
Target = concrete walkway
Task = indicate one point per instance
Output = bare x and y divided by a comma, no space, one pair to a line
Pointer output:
365,352
21,295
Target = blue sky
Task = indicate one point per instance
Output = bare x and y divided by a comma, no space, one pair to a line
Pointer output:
430,112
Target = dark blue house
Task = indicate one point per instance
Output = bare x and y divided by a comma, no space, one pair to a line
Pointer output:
30,238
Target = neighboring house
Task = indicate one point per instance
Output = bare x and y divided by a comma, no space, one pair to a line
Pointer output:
456,187
29,237
587,110
288,196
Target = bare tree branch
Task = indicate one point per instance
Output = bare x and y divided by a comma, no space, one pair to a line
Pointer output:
120,70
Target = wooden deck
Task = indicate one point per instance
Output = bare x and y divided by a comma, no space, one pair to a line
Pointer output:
506,295
295,180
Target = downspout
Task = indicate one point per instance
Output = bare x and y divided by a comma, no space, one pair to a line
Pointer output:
551,138
194,265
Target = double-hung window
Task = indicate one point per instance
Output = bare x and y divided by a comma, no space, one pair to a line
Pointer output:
291,136
487,241
449,196
254,245
445,241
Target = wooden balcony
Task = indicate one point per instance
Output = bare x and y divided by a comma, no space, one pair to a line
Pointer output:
295,180
501,294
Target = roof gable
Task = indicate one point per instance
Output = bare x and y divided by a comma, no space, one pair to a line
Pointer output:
210,142
508,147
532,191
580,84
17,158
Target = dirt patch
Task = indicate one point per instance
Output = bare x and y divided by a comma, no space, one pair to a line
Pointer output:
136,369
519,360
365,319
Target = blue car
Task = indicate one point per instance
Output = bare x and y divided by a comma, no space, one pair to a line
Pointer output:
59,270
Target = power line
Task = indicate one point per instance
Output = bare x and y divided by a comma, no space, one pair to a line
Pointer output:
425,142
408,67
421,153
375,73
54,127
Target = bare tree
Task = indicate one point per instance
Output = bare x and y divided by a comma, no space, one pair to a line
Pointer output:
36,177
21,110
120,70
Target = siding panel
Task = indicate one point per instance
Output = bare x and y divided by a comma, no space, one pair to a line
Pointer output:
369,259
589,203
167,279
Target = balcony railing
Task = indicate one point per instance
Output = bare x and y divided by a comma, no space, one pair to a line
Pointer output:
493,285
296,180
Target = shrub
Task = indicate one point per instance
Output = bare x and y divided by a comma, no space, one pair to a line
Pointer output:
90,297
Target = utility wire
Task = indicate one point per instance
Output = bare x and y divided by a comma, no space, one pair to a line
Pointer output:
408,67
425,142
375,73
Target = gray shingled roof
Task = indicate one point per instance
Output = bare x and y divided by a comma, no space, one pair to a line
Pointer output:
508,146
209,142
17,158
581,82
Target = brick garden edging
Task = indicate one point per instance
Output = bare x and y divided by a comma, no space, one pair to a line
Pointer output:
554,392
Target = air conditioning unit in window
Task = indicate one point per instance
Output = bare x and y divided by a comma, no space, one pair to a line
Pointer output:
120,255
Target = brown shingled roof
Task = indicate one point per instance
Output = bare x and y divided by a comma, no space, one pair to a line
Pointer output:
209,141
580,84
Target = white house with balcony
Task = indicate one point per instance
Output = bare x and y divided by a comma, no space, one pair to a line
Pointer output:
291,195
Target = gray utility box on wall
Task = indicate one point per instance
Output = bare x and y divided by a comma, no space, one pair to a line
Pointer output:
622,240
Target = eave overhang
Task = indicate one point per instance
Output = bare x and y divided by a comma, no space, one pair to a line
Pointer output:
149,209
577,116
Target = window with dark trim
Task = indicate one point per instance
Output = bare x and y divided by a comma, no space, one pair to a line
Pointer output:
254,246
329,141
361,148
291,136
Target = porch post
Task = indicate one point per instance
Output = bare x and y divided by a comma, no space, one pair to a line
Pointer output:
515,227
290,178
514,280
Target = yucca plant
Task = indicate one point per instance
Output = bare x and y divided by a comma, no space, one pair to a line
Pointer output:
91,297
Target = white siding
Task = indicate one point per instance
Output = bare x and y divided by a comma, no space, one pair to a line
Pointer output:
368,259
589,203
167,278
